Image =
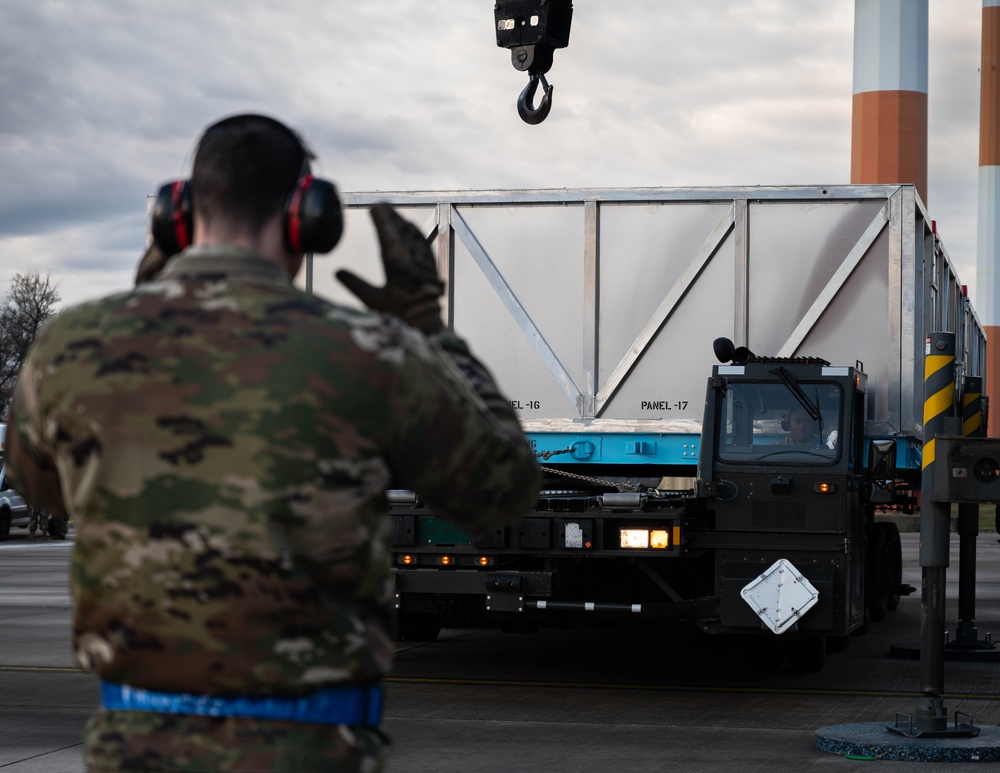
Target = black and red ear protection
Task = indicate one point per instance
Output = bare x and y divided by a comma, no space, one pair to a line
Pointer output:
173,220
313,219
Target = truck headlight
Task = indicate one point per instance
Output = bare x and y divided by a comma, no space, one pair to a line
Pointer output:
635,538
658,539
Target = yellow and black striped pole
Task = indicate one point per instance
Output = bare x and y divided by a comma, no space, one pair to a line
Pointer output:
972,407
966,634
939,406
939,395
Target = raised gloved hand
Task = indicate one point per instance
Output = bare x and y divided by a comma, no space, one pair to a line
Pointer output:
412,285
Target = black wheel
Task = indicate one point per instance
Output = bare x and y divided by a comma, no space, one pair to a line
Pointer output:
895,548
4,523
411,626
57,528
876,573
806,654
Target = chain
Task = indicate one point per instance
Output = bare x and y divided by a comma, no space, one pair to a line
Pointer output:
546,455
622,487
619,486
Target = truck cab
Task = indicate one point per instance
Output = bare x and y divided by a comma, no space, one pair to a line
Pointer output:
782,470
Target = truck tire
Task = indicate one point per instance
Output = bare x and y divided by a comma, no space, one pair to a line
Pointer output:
895,548
876,573
56,528
4,523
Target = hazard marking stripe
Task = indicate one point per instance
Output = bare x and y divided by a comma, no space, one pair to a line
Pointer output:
937,404
934,362
928,454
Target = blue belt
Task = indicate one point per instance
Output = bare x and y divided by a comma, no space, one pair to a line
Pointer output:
341,705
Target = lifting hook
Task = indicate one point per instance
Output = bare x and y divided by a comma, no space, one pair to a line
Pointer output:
533,30
525,107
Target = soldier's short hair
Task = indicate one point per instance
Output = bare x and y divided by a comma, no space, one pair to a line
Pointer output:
244,169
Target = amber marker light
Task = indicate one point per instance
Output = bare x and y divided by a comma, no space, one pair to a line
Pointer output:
825,488
659,538
407,560
484,561
445,560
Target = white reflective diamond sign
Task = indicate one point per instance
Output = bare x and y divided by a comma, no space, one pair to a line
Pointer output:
780,596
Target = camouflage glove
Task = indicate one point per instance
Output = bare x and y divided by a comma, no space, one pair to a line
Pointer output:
412,286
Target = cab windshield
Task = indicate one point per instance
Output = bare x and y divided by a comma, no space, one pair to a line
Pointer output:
769,423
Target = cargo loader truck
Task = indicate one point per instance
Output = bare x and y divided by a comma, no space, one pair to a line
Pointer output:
723,387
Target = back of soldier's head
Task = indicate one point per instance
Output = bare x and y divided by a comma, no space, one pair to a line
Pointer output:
244,169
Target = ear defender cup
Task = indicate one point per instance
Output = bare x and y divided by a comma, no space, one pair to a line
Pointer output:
173,218
313,218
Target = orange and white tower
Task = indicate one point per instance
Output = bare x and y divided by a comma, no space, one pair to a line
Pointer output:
988,247
889,123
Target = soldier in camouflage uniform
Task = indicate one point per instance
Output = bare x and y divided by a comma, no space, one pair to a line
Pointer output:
223,442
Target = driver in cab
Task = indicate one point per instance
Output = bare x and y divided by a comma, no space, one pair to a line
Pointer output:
801,429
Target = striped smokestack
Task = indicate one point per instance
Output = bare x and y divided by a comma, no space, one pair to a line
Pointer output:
889,126
988,247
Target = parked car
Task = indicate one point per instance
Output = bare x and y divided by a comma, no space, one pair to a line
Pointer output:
14,510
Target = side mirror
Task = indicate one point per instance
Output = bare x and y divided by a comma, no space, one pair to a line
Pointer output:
724,349
882,470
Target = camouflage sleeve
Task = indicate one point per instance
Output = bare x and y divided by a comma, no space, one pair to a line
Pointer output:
457,441
32,467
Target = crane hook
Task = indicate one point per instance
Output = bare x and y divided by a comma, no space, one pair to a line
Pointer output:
528,112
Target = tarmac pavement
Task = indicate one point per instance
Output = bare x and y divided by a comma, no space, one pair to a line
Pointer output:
480,700
44,699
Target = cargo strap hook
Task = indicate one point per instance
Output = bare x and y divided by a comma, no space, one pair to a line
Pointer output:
525,107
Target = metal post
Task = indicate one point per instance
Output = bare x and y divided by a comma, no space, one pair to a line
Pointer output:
968,523
939,402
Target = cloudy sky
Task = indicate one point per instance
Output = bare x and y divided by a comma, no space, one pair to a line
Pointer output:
102,100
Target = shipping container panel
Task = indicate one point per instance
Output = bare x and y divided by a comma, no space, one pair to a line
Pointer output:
596,309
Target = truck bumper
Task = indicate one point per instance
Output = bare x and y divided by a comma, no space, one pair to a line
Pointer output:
531,592
477,583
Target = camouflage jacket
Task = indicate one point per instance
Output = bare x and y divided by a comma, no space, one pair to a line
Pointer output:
223,442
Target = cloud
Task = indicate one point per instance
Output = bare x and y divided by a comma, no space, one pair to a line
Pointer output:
104,101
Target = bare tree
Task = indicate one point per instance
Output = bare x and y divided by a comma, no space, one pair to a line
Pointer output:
31,300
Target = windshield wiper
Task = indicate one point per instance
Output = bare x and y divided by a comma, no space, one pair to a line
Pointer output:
786,378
